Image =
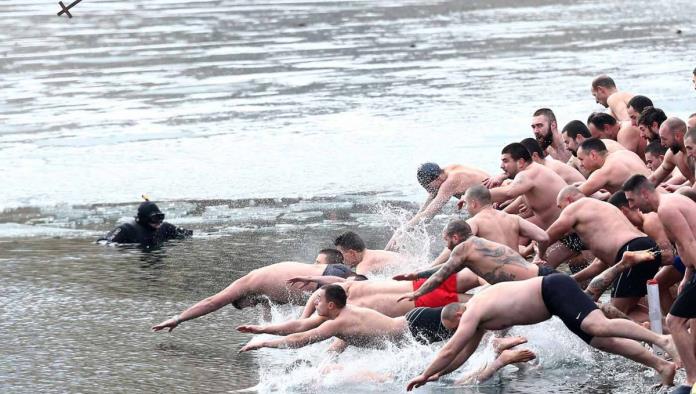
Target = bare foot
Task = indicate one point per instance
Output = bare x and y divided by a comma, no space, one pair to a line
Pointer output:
511,356
500,344
670,348
631,258
667,372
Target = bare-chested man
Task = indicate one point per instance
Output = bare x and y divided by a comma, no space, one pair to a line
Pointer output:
635,106
605,92
382,295
569,173
690,143
441,184
365,261
490,260
574,134
607,170
260,286
608,234
546,133
650,224
678,215
603,125
536,300
672,133
538,184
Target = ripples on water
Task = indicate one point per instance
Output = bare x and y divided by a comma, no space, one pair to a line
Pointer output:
201,100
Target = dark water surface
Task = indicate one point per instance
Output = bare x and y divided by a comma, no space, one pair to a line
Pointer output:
269,128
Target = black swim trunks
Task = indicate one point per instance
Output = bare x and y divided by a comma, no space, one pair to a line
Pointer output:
631,283
685,304
340,270
544,270
573,242
564,298
426,326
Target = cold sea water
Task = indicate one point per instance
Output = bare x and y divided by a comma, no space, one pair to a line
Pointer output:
269,127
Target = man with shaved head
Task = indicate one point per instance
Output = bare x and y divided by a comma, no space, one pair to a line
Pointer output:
605,92
672,133
608,234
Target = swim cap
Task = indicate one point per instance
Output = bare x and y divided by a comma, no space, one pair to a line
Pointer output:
427,173
149,212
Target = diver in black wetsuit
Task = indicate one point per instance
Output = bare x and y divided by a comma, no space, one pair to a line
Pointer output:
148,228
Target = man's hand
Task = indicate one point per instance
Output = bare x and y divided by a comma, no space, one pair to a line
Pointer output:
169,323
418,381
250,329
411,276
252,346
494,181
409,297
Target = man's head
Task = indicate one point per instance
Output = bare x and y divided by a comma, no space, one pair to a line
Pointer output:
451,314
602,125
149,214
574,133
633,215
693,78
691,122
329,256
640,193
592,154
476,198
672,133
514,157
544,125
567,196
330,300
654,155
351,247
430,176
649,122
690,143
603,87
635,106
456,232
534,149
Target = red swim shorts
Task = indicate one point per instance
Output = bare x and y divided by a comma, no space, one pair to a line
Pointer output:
445,294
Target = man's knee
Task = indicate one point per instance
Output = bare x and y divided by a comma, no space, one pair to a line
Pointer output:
596,325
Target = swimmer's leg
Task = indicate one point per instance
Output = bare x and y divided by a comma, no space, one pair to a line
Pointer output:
679,327
636,352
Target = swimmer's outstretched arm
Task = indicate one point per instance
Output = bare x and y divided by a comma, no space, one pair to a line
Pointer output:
285,328
426,273
520,185
563,225
324,331
455,263
445,359
320,280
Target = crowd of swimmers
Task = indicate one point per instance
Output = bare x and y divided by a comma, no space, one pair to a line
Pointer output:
602,204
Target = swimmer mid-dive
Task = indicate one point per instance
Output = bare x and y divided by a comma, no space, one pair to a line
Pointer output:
536,300
262,286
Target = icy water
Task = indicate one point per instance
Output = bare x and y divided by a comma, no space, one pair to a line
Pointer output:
269,128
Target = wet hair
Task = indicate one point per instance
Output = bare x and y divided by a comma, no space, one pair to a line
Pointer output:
517,151
336,294
428,172
618,199
638,103
459,227
655,148
480,193
547,113
333,256
594,144
601,120
449,311
575,127
651,115
675,125
604,81
532,146
350,240
637,182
